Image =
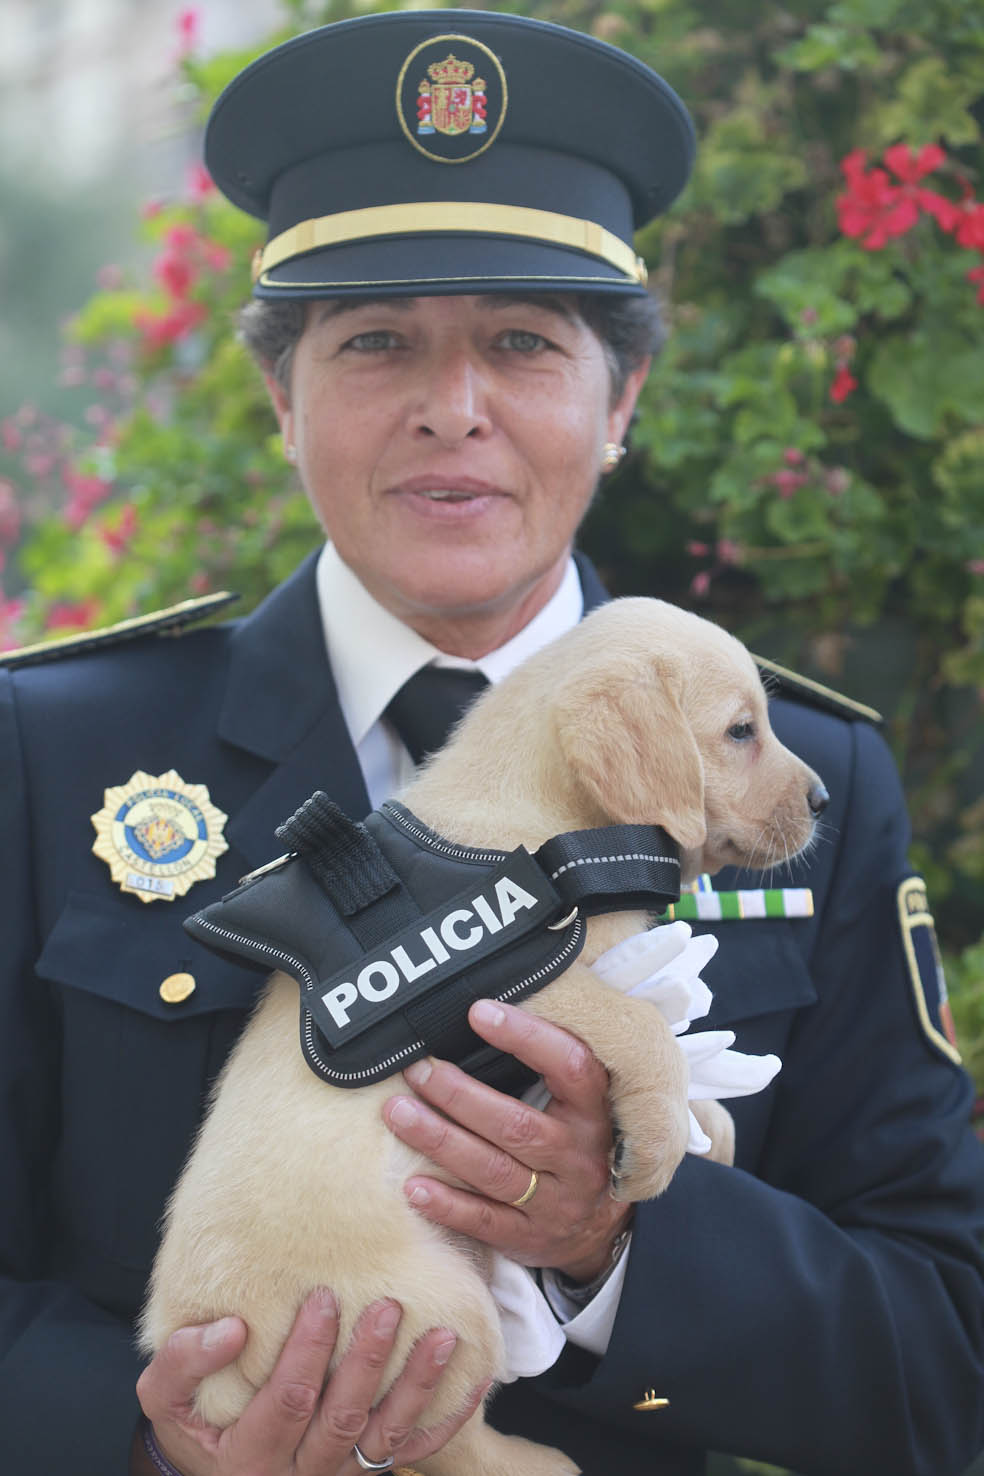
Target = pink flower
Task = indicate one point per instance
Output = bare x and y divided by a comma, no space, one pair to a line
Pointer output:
199,583
700,584
187,25
200,184
86,493
728,551
793,456
788,482
11,612
837,480
117,539
10,436
844,384
698,550
161,329
975,566
10,518
175,273
976,275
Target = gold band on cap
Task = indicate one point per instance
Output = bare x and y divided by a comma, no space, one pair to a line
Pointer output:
463,217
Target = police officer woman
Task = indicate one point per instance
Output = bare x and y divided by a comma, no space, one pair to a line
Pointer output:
455,329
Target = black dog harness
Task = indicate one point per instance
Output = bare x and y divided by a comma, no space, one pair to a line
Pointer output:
392,932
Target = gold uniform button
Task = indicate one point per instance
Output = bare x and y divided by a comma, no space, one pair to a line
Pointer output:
177,987
650,1401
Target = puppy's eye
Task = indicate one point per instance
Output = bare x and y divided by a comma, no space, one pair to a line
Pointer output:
742,732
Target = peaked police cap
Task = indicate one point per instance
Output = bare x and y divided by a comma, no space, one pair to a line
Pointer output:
435,152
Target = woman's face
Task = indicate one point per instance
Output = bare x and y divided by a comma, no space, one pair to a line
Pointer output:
450,447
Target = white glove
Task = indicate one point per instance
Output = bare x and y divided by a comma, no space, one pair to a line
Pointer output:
663,966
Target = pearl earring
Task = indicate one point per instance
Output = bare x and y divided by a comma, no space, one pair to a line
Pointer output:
611,455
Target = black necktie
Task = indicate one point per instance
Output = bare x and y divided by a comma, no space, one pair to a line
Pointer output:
426,707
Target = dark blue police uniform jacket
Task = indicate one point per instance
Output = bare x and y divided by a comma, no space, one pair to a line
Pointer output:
819,1305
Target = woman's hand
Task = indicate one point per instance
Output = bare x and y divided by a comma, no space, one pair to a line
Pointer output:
296,1423
493,1143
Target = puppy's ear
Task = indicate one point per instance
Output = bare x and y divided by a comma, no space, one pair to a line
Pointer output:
627,741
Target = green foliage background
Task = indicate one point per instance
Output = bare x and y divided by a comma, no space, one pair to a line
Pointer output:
868,573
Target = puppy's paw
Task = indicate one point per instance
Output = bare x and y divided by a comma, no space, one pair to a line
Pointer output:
652,1139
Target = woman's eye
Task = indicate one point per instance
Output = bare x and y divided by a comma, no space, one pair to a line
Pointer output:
374,341
741,732
523,341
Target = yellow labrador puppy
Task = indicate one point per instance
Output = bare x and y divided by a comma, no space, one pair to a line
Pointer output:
643,714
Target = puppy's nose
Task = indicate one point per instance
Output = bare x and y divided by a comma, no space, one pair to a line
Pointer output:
817,798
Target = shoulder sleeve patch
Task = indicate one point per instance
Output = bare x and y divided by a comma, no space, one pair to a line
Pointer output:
922,955
804,689
171,621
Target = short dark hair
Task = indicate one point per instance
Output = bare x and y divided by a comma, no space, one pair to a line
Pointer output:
629,327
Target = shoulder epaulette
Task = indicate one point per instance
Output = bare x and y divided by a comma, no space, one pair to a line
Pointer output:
171,621
786,683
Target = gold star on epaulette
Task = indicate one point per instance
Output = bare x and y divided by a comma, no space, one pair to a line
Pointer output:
159,622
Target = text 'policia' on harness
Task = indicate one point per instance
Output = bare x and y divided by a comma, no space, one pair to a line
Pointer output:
392,932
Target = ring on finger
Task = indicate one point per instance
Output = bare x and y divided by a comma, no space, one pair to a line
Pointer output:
368,1465
528,1192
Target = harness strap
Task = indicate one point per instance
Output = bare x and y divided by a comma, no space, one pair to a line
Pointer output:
613,868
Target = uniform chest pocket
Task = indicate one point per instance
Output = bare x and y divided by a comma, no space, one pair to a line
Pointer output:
135,1066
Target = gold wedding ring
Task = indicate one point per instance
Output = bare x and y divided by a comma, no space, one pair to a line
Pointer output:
528,1193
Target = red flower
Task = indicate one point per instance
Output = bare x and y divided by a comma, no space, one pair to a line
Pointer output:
844,384
72,616
116,539
976,275
86,493
970,229
875,210
908,169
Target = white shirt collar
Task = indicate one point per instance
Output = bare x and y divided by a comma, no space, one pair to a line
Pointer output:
372,653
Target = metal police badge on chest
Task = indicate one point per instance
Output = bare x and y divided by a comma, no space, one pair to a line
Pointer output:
451,98
158,835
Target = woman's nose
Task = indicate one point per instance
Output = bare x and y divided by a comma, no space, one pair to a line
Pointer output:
453,401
